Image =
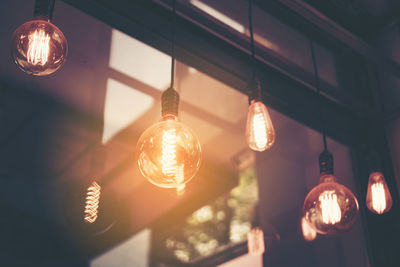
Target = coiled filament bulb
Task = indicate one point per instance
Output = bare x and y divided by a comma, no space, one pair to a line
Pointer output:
92,203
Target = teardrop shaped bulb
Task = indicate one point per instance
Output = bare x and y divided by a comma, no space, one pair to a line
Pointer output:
378,199
255,241
260,133
309,233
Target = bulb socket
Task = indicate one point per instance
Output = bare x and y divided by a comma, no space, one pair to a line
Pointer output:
169,102
326,162
44,9
254,90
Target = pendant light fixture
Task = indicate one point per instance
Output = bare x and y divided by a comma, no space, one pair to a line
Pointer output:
260,133
38,47
309,233
255,237
330,207
379,199
169,152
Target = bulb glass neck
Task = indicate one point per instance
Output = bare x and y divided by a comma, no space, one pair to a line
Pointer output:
168,117
327,178
254,89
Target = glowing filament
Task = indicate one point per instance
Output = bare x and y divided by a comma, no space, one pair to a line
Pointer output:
255,241
39,47
92,202
378,197
168,157
330,208
260,130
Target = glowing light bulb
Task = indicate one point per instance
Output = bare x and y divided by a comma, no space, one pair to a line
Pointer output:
169,153
38,47
309,233
92,203
260,133
378,199
330,208
255,241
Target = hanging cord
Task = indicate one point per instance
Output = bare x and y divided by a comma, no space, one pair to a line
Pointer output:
317,85
170,97
254,86
173,44
325,158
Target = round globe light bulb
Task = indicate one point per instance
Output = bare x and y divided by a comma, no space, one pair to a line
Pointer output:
169,153
260,133
330,208
38,47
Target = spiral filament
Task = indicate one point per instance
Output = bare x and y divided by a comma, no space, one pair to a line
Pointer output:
260,130
378,198
39,48
92,202
255,241
330,209
168,157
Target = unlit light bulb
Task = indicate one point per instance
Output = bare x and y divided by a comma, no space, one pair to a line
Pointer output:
38,47
255,241
260,133
330,208
378,199
169,153
309,233
92,203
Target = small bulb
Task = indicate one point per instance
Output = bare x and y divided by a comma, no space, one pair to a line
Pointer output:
379,199
260,133
92,203
309,233
169,153
38,47
255,241
330,208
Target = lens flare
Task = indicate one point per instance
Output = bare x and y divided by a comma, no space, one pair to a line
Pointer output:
255,241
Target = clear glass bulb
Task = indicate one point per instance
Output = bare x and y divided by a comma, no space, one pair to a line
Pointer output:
330,208
38,47
379,199
255,241
309,233
260,133
169,153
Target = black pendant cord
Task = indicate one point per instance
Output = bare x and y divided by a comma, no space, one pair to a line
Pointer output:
170,97
317,86
254,86
44,9
325,158
173,44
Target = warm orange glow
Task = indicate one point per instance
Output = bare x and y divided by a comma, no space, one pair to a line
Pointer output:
379,199
260,133
169,153
39,47
255,241
92,202
330,208
309,233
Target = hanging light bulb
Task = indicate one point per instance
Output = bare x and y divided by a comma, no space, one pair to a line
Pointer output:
169,152
255,241
92,203
38,47
260,133
378,199
330,208
309,234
